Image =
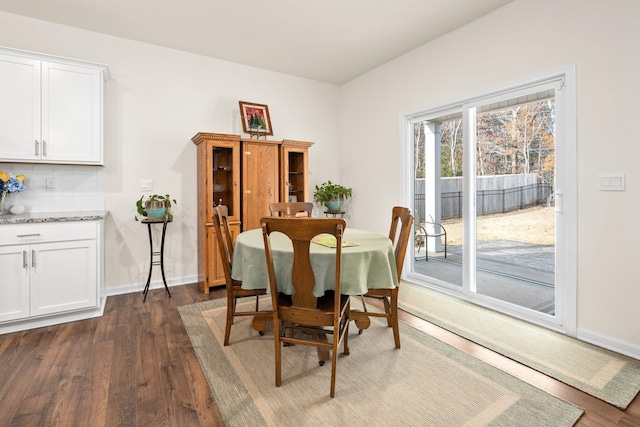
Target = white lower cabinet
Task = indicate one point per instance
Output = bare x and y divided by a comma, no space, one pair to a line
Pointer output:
14,289
49,269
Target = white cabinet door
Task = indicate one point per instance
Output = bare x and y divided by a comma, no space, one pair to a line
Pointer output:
50,112
71,114
63,276
19,108
14,287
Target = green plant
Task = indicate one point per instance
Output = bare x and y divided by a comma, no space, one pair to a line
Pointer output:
141,205
329,191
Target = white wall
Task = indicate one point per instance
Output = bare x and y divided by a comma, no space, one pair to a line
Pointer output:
159,98
523,39
156,100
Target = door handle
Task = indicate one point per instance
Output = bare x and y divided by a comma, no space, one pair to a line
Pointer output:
33,258
44,148
25,259
557,208
37,150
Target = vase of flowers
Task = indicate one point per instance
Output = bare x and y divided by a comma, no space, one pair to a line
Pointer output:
9,184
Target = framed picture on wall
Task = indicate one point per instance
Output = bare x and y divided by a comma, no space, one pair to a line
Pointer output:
255,118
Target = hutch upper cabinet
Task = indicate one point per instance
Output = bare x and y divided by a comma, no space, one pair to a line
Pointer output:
246,175
51,109
294,180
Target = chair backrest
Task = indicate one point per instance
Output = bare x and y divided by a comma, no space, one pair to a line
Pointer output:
291,209
223,237
401,223
301,231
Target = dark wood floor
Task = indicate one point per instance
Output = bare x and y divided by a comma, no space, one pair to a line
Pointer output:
135,367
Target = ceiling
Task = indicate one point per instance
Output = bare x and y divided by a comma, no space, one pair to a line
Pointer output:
331,41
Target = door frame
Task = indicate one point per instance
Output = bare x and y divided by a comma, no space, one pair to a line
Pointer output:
566,148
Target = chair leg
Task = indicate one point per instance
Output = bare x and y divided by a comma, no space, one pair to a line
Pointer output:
388,310
364,309
334,362
394,319
231,305
346,335
278,353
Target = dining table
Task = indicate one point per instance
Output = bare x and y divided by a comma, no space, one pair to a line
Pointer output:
368,262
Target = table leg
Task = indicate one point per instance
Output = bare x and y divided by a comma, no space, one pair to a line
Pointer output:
324,353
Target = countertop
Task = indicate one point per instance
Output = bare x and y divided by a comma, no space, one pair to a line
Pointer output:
52,217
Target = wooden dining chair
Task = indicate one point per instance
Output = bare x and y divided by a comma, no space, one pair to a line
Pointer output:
234,287
303,311
291,209
401,223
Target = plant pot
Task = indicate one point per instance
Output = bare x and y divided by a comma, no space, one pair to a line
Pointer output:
155,209
334,205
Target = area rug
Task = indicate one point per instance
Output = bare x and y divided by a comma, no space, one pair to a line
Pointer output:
427,382
607,375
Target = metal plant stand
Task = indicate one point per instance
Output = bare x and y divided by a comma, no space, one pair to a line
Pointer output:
153,253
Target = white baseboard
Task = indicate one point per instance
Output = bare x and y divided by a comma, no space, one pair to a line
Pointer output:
155,284
613,344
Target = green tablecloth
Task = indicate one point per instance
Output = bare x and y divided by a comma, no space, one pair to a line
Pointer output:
370,265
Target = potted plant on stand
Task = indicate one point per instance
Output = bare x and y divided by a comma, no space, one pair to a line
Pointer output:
332,195
155,206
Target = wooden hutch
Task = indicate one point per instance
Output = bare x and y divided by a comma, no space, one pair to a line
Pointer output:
246,175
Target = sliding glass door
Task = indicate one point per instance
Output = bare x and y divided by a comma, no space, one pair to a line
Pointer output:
487,201
514,232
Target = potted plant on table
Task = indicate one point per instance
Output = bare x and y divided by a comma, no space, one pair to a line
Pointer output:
155,206
332,195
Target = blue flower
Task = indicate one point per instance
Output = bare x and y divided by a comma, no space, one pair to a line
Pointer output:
15,185
11,183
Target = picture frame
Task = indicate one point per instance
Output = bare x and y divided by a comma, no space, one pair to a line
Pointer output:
255,118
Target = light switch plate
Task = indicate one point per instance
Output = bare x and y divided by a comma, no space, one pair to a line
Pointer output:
612,182
50,183
146,185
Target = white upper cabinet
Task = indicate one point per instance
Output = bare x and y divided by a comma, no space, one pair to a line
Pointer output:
51,109
19,108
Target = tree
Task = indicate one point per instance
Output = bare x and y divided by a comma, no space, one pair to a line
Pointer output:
451,148
511,140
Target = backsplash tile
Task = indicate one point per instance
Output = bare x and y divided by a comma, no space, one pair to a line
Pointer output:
77,188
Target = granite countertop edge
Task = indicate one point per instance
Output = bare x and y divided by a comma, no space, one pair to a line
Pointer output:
29,218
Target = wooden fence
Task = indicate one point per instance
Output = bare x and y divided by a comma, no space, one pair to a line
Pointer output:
495,194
